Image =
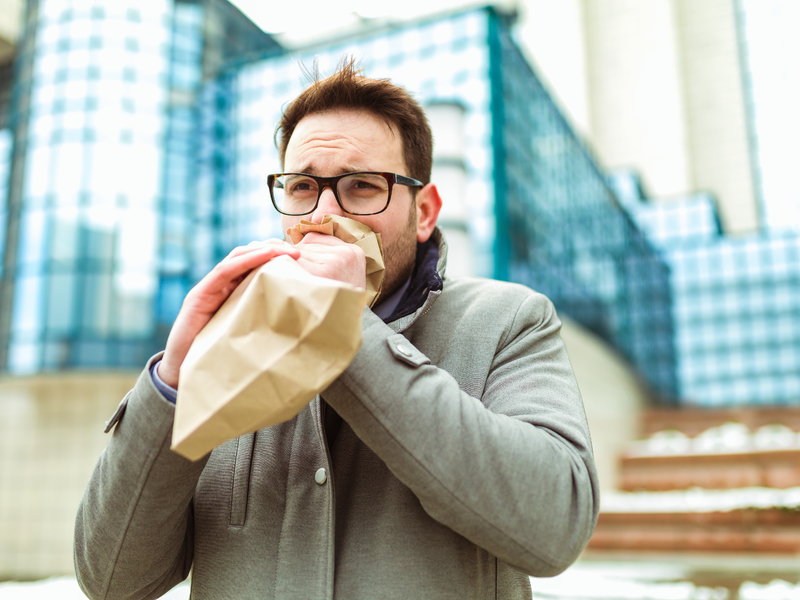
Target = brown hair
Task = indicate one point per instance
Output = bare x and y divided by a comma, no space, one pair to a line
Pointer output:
347,88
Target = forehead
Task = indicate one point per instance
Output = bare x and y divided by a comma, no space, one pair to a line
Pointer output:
356,136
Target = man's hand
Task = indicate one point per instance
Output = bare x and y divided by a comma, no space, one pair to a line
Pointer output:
209,294
328,256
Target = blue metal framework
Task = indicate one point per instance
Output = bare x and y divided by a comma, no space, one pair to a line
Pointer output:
563,230
735,308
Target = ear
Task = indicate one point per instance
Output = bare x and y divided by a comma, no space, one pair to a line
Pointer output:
428,206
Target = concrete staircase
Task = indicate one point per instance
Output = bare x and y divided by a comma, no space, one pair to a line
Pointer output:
718,481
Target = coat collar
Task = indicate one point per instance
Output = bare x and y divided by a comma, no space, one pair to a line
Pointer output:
427,282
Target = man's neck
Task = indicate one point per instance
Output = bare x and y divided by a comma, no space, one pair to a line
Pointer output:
385,307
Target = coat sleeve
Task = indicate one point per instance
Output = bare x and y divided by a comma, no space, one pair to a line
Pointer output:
133,532
512,471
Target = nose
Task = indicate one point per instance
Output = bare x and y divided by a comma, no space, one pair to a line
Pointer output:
327,205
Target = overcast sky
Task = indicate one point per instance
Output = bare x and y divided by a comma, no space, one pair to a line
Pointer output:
294,16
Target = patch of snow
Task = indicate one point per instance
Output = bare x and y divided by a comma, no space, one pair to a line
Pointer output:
620,581
700,500
727,438
775,590
730,437
662,443
775,437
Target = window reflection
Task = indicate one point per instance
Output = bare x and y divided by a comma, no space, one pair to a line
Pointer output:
63,236
61,300
68,170
97,318
23,358
32,236
29,293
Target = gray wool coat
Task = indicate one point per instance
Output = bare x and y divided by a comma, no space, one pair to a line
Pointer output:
462,466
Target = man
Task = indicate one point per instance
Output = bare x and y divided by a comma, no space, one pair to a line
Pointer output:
451,459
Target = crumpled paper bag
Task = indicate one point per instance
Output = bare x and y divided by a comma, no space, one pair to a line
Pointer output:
282,337
351,232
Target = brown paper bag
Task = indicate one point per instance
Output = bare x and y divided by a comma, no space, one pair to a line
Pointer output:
281,338
351,232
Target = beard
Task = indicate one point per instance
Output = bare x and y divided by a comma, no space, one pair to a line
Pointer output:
399,256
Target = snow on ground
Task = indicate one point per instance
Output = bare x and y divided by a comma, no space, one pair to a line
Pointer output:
730,437
603,581
584,581
700,500
654,581
771,591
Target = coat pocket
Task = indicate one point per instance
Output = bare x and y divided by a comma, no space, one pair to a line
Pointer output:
241,479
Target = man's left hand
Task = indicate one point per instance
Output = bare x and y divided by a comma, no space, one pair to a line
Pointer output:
328,256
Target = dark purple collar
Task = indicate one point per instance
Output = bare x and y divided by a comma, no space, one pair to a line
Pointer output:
424,279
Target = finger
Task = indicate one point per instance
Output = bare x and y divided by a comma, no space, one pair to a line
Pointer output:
234,268
255,246
346,251
320,238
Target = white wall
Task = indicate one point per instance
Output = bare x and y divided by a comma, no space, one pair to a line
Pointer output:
637,109
51,434
612,394
718,145
655,86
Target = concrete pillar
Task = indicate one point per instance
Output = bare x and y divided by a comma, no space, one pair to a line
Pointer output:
450,176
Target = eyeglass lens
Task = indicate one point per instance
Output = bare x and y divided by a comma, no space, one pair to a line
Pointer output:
359,193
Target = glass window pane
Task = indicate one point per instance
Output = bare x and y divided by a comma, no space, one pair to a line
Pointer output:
141,174
32,242
105,169
100,232
134,308
28,294
37,171
68,168
24,358
97,304
61,302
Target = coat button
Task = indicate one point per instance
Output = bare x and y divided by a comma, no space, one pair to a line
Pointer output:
321,476
403,350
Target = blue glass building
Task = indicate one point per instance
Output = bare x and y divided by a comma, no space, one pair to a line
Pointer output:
99,230
140,135
736,301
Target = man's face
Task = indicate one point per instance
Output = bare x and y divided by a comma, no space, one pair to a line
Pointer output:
343,141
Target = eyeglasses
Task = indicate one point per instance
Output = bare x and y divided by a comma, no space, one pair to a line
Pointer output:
362,193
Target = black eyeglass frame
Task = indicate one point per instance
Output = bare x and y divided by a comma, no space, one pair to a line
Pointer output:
333,182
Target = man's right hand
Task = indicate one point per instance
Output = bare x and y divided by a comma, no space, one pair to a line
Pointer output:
204,299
